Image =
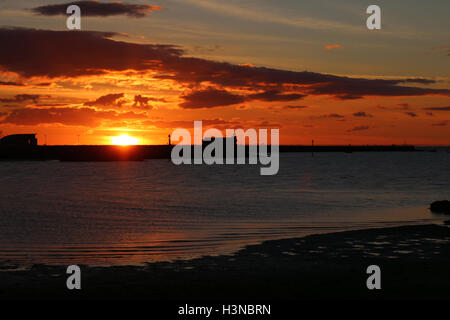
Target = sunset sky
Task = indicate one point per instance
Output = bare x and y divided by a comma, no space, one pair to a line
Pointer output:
310,68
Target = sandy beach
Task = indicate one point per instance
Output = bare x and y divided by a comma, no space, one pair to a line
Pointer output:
414,264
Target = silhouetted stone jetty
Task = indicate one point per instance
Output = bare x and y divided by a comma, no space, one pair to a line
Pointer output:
348,149
142,152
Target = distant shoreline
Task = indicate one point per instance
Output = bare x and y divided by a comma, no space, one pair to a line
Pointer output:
414,262
143,152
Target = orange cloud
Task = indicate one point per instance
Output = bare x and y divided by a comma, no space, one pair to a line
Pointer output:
87,117
358,128
332,46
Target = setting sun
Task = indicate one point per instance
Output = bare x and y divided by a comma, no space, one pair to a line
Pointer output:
124,140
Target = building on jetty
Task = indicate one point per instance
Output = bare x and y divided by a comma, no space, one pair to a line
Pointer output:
19,147
20,140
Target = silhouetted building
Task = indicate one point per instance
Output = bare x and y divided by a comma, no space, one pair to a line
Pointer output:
19,140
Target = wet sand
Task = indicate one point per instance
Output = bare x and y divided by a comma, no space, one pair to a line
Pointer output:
414,262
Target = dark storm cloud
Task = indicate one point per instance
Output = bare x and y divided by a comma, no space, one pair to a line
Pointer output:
362,114
358,128
190,123
347,97
109,100
438,108
31,52
292,107
210,98
98,9
22,98
441,124
331,115
352,88
275,95
11,83
142,102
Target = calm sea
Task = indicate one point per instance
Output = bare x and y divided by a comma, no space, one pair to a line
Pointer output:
135,212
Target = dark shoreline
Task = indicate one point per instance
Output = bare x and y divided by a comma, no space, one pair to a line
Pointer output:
414,262
143,152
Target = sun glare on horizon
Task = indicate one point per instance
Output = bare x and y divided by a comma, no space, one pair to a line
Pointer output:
124,140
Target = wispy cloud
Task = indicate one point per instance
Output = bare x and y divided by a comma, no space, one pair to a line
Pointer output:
358,128
362,114
442,49
440,124
332,46
438,108
260,15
